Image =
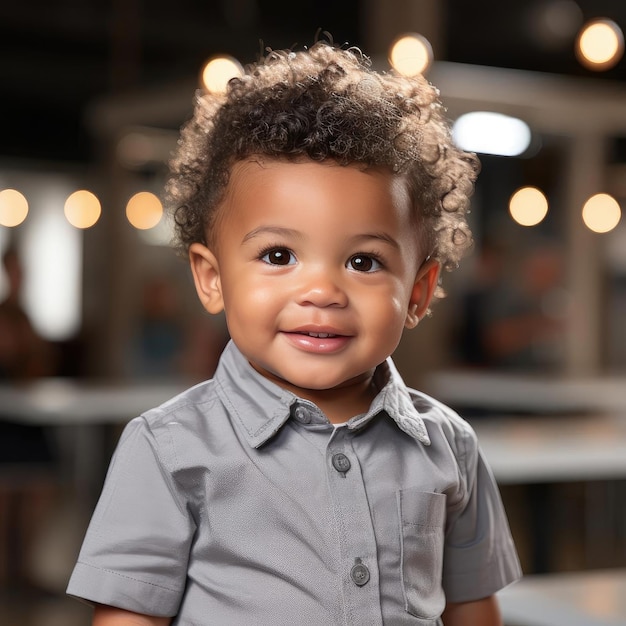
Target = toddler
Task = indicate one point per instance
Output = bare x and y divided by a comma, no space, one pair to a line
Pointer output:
317,201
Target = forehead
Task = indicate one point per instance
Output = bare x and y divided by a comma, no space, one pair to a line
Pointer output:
257,180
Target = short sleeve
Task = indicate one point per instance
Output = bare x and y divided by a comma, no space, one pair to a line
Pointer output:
136,549
479,556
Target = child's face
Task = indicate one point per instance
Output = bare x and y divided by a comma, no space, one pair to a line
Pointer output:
318,269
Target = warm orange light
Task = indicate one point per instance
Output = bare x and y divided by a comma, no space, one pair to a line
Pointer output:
601,213
144,210
13,208
82,209
528,206
411,54
218,71
600,44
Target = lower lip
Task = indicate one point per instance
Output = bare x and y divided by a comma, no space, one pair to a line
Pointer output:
319,345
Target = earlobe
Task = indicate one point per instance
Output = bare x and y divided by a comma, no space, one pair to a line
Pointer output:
412,318
423,291
206,277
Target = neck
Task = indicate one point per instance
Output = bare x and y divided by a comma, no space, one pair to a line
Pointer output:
341,403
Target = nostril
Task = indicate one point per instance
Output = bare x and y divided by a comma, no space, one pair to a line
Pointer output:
326,296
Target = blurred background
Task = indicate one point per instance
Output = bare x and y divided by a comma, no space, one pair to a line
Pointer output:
99,319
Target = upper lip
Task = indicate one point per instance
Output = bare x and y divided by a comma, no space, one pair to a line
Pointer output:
319,331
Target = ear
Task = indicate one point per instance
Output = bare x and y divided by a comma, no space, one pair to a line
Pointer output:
423,291
206,277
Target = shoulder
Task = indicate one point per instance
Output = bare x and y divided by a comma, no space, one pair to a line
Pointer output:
180,430
183,408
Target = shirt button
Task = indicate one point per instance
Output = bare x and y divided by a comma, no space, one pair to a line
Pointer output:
359,573
341,462
302,415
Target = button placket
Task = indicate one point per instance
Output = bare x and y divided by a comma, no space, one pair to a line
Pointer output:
360,580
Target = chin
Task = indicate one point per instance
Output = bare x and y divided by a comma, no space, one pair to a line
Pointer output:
312,382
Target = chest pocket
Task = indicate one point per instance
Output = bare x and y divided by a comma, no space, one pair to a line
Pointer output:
422,529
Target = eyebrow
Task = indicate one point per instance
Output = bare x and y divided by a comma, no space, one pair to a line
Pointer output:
271,230
281,231
377,236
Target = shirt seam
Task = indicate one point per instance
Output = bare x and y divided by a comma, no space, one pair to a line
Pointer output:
124,576
167,470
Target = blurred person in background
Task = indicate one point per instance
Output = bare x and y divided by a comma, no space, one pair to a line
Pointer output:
166,343
486,281
526,328
514,311
27,454
159,337
24,355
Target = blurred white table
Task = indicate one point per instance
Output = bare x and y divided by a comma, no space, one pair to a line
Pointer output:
542,428
541,449
592,598
60,401
542,394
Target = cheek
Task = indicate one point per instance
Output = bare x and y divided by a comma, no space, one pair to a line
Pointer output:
399,295
387,310
390,309
250,298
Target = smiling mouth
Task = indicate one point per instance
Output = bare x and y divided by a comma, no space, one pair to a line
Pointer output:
318,342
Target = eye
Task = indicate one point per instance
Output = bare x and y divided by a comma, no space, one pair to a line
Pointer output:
278,256
364,263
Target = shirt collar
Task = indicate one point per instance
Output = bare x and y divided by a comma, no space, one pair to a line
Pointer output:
394,399
261,407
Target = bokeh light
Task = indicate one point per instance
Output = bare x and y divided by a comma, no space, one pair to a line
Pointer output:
13,208
528,206
600,44
144,210
218,71
411,55
601,213
82,209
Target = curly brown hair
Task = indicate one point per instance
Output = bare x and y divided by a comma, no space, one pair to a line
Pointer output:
325,103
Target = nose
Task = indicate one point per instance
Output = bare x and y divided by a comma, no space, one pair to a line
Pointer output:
321,287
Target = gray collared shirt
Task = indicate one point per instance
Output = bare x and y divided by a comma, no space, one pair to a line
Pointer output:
239,503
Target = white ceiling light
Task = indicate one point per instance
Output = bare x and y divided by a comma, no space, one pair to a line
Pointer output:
491,133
